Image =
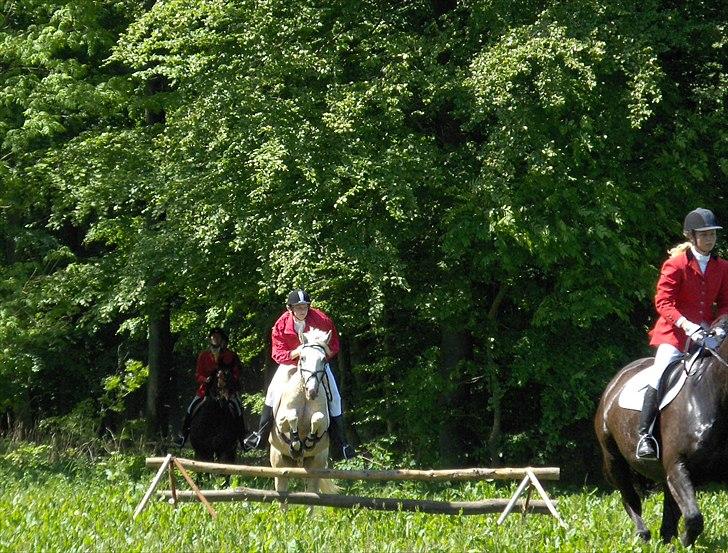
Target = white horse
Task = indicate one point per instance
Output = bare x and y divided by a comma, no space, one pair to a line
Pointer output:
299,437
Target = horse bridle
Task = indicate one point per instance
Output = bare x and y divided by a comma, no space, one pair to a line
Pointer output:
319,374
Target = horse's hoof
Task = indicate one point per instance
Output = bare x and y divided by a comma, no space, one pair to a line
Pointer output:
644,535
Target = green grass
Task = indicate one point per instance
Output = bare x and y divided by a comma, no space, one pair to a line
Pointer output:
69,506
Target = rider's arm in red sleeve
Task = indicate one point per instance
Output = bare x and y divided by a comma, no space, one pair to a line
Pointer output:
279,349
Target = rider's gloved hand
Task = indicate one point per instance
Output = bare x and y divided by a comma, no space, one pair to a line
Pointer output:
692,330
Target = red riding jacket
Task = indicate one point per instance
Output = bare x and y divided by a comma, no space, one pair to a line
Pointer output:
683,291
284,338
207,365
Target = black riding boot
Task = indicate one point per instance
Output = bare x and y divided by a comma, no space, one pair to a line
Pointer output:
259,438
647,446
341,447
185,433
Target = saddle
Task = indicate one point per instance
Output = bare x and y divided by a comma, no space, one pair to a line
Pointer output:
673,378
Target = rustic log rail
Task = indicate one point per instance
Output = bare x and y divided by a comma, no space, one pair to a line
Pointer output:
543,473
487,506
530,479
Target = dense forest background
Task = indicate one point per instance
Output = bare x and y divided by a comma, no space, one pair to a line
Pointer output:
479,192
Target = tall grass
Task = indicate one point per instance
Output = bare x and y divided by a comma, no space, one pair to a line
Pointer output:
77,504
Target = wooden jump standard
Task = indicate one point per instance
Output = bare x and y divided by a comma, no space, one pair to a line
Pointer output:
530,479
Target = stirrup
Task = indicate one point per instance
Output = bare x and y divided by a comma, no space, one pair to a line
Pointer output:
646,439
253,441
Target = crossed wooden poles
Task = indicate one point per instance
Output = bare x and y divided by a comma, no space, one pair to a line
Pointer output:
530,480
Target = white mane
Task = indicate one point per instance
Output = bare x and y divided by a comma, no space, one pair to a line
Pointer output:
316,336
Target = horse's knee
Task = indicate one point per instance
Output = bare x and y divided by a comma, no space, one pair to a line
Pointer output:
318,421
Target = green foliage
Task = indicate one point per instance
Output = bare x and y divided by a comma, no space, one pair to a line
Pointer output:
29,457
509,174
118,386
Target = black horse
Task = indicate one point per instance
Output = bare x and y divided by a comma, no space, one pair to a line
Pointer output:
216,426
694,449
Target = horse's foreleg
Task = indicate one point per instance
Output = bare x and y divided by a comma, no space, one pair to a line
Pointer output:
288,424
319,424
678,481
670,517
282,486
312,485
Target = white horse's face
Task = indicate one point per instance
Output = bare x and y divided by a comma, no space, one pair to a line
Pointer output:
312,364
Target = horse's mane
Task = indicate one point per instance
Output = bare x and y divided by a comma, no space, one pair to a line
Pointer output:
316,336
723,346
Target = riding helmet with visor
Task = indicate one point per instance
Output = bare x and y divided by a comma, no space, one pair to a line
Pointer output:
298,297
700,219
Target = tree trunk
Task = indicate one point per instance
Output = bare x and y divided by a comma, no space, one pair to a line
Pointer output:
494,385
158,385
455,347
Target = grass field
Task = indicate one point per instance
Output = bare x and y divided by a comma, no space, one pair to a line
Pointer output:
67,505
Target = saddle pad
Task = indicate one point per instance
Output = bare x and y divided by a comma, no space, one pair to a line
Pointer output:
633,394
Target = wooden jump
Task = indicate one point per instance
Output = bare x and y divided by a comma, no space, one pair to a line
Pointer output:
455,475
488,506
530,480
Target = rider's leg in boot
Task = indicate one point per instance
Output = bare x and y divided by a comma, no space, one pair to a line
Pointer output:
338,438
646,446
259,438
181,438
238,406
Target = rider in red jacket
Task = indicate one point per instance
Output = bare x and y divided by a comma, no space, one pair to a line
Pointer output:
692,292
298,318
216,357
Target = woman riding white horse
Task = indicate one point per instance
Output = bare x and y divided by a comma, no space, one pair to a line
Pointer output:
287,342
299,438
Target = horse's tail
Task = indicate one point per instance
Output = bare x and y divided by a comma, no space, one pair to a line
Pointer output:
326,485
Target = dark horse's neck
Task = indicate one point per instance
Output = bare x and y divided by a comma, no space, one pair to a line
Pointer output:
710,382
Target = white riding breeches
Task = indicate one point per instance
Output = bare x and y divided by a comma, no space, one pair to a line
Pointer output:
665,354
275,388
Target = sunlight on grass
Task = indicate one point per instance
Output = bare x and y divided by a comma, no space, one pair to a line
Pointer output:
89,508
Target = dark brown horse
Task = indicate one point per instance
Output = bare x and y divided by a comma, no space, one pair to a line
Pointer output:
215,427
694,449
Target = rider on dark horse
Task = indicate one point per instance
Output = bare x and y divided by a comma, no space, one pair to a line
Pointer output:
209,361
691,281
298,318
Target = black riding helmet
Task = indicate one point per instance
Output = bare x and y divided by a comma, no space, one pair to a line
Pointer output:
218,330
699,219
298,297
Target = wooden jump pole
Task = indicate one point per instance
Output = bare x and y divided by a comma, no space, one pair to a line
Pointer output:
543,473
349,501
530,480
